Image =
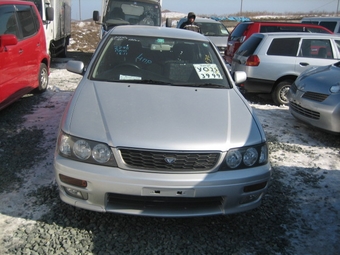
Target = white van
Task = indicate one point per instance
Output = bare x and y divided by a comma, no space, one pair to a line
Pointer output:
332,23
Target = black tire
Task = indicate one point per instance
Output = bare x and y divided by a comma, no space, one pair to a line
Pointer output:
279,95
42,78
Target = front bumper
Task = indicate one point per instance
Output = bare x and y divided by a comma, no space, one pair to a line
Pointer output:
324,115
163,194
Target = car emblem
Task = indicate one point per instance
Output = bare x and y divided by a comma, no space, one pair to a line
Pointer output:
170,160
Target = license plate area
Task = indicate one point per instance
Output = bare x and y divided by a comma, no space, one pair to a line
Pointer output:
157,192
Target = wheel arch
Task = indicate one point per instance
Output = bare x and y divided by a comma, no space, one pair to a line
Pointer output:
283,78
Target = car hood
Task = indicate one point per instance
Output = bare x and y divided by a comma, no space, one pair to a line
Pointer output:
161,117
219,41
319,79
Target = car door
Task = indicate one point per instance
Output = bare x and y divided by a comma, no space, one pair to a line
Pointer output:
10,64
315,52
30,46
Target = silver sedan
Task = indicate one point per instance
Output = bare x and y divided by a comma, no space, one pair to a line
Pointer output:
315,97
157,127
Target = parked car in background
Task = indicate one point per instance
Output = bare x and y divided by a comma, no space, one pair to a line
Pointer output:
24,58
214,30
314,97
331,23
154,129
273,61
244,30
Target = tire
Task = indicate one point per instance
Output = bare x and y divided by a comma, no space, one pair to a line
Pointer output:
42,78
279,95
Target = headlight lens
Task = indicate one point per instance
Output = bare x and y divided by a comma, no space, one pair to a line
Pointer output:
240,158
250,156
85,150
335,88
234,158
82,149
101,153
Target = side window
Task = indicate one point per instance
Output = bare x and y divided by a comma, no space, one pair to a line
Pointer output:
284,47
316,48
27,20
337,42
8,21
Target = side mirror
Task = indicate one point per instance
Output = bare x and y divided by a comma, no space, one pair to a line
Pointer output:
95,16
7,40
75,67
239,77
49,14
168,22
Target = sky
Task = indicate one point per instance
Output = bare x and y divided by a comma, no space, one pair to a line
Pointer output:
83,9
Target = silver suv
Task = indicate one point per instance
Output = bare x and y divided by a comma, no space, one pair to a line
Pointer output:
273,61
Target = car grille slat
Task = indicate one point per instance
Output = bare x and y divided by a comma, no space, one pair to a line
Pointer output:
303,111
174,161
315,96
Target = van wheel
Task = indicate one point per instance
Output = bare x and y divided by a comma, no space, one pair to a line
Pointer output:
279,95
43,78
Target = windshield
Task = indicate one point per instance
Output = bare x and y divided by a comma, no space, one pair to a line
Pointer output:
132,13
151,60
212,29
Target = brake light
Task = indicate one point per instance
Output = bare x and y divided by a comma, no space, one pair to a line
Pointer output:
253,60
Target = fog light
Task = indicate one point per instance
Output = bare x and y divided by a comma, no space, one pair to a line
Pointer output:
76,193
73,181
250,198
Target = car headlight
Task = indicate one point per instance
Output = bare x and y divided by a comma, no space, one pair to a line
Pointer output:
335,88
85,150
245,157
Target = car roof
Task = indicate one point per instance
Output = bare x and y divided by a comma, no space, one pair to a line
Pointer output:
275,23
321,18
298,34
154,31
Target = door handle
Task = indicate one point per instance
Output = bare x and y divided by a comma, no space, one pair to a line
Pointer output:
304,64
21,51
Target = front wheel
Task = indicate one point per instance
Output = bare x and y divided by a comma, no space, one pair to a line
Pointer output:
279,95
42,78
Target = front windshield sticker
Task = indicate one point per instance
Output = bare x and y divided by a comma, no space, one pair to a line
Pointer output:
121,50
208,71
123,77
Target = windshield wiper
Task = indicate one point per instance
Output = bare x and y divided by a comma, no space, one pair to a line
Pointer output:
202,85
149,82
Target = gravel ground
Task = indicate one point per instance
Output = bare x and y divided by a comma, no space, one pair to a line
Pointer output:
299,214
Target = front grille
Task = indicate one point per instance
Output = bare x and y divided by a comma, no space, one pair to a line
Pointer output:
173,161
305,112
315,96
162,203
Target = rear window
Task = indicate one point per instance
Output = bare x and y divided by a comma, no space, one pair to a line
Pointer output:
249,46
297,28
328,24
268,29
284,47
238,32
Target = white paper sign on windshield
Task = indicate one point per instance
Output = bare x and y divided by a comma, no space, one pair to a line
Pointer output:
207,71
